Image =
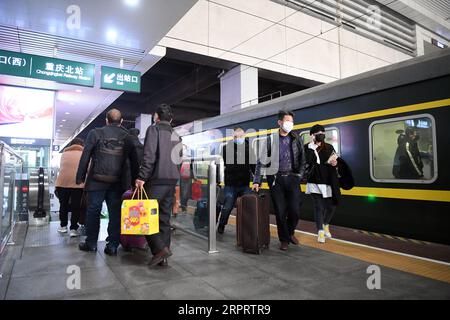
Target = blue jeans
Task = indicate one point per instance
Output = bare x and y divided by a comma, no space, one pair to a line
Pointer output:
113,200
231,194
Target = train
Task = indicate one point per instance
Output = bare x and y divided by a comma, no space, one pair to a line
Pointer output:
366,116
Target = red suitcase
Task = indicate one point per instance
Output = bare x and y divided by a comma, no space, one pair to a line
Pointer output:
252,222
130,242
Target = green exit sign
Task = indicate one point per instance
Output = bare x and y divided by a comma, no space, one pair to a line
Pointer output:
46,68
120,79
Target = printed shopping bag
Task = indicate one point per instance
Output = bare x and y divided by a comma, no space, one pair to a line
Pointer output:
139,216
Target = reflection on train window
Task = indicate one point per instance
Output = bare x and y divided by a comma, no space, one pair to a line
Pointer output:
201,168
403,150
331,137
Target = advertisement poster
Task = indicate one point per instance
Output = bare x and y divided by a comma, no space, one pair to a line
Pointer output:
26,113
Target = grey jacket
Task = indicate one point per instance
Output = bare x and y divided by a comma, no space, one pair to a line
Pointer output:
158,167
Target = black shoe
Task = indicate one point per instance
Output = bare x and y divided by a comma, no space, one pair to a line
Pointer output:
220,229
83,246
110,251
160,256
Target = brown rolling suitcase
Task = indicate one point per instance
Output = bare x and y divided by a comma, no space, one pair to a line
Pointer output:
252,222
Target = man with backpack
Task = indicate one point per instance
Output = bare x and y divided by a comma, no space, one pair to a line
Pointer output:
105,153
160,173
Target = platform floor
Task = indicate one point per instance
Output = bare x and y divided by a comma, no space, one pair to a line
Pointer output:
34,267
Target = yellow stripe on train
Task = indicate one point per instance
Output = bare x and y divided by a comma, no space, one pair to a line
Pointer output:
408,194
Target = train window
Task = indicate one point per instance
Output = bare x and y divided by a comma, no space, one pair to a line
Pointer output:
403,150
331,136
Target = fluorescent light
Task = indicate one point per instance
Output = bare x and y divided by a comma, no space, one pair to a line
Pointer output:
72,103
63,120
67,113
79,90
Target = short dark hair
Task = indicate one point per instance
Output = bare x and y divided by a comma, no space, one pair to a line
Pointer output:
410,131
77,141
316,128
284,113
114,116
164,112
134,131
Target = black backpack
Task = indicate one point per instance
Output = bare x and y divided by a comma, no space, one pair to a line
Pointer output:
108,158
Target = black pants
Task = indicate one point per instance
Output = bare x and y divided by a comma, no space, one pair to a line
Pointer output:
69,200
323,210
286,197
165,194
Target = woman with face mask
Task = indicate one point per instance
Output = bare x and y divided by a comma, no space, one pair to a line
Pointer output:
321,175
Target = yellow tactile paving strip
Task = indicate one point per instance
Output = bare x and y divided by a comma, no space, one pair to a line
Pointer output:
424,268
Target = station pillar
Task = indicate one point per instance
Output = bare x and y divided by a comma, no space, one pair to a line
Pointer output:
143,121
238,88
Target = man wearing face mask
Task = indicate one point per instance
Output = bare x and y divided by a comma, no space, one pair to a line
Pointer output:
238,171
285,182
159,174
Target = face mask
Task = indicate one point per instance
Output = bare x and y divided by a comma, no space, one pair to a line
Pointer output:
239,140
320,137
287,126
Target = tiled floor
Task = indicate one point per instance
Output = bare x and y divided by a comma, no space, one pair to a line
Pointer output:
36,268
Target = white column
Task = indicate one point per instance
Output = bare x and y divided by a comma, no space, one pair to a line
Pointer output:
238,89
143,121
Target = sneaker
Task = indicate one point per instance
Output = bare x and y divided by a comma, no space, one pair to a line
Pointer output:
327,231
62,229
321,236
74,233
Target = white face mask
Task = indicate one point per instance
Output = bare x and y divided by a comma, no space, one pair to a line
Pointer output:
287,126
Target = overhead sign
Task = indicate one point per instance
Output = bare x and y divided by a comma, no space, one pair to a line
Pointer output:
120,79
46,68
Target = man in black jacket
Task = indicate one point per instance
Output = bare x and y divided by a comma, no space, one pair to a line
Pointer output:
236,155
107,150
283,158
160,173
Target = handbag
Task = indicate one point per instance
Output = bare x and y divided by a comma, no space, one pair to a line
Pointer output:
139,216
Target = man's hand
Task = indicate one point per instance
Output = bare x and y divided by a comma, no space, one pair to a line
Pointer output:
256,187
139,184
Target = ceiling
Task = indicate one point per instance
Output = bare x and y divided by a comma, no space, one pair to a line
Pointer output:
431,14
190,83
108,31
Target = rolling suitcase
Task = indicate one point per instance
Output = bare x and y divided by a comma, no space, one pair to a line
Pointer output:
252,222
130,242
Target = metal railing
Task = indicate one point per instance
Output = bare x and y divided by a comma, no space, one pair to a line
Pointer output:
261,99
215,177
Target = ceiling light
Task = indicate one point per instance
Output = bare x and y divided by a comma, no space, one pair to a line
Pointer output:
111,35
63,120
67,113
72,103
61,126
79,90
131,3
